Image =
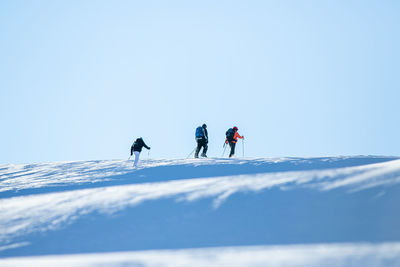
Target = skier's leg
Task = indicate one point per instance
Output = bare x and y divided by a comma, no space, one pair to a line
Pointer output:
137,155
232,145
196,154
205,148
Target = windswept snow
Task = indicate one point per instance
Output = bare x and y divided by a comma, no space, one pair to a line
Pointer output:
15,177
340,207
327,255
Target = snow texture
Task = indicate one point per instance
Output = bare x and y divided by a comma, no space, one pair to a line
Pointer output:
328,211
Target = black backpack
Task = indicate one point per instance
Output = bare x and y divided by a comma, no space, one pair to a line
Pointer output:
229,134
137,144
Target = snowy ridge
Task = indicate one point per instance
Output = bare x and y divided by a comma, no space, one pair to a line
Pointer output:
41,175
319,204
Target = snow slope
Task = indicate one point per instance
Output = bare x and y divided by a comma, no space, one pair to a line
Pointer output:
330,211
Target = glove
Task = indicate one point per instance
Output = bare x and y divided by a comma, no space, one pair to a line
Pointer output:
149,148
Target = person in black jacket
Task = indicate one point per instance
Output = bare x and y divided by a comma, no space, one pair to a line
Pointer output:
202,140
136,148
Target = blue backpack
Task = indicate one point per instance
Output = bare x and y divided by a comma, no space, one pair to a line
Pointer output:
199,132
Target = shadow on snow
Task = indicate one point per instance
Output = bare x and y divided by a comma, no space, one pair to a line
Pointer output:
153,171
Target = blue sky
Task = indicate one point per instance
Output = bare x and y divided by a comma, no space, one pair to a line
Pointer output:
82,79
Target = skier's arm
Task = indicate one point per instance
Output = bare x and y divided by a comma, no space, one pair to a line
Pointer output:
206,134
144,144
237,135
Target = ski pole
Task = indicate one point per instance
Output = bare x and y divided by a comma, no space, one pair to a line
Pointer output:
191,153
129,157
224,150
243,147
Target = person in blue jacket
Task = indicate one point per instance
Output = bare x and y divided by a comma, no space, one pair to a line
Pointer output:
202,140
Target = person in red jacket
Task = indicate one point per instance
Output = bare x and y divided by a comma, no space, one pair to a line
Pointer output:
232,136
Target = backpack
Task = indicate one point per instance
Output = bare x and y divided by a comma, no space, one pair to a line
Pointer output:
230,134
199,132
137,144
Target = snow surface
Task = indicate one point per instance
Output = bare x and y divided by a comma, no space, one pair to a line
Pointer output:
327,211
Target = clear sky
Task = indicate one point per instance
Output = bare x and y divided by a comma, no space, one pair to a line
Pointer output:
80,80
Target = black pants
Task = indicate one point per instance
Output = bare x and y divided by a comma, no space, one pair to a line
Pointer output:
201,144
232,145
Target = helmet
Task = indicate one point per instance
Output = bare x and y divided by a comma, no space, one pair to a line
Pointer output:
235,128
204,126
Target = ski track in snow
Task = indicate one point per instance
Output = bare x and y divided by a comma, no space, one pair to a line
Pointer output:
25,214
